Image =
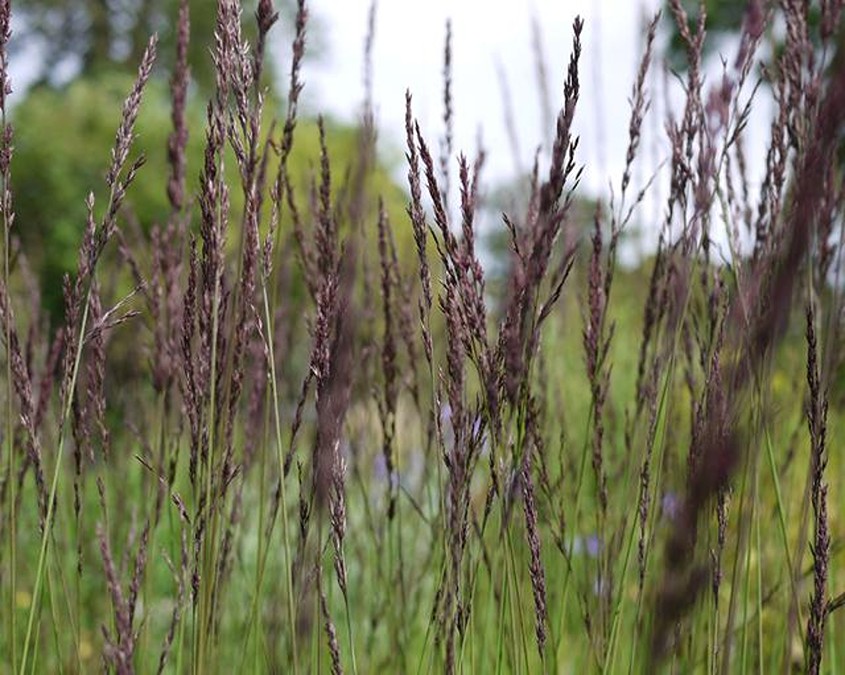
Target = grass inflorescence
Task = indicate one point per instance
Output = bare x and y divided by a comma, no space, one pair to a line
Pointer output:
351,444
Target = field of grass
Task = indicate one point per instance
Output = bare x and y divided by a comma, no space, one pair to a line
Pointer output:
269,439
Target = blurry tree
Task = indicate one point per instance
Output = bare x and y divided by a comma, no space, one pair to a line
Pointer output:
725,19
65,129
93,35
53,172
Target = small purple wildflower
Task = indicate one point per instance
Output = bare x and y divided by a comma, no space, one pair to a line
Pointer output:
589,545
671,505
379,468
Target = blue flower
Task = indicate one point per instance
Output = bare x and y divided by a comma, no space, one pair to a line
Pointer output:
590,544
670,505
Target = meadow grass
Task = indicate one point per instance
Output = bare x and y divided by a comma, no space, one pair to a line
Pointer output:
342,456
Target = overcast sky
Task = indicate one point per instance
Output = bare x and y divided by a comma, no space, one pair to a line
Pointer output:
493,36
489,37
492,43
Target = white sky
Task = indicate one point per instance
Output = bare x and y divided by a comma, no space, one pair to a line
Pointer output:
408,54
489,35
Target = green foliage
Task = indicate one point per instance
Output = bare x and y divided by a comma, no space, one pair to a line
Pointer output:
62,143
724,18
62,150
100,35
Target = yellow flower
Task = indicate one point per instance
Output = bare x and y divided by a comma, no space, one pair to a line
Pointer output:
22,599
86,649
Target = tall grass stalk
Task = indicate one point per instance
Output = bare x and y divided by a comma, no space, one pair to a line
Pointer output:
277,427
54,483
447,419
8,218
89,255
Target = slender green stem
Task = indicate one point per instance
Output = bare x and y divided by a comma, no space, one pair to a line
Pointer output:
204,624
161,408
262,545
282,494
662,413
781,510
349,634
54,483
760,653
506,600
746,588
52,602
11,478
510,562
741,541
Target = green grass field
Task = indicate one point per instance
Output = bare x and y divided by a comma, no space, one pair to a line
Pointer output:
290,430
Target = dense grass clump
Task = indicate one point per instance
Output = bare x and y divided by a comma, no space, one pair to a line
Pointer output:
336,454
